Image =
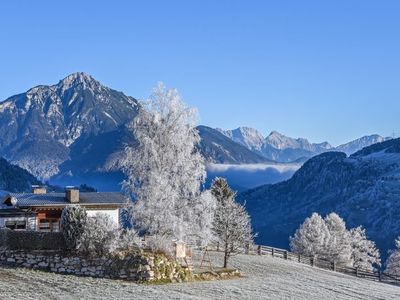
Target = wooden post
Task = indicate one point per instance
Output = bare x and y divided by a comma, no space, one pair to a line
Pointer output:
356,271
259,250
285,254
380,275
217,246
247,250
299,257
272,251
312,261
333,266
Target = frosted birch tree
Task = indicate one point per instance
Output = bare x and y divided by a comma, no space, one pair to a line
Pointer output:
231,225
164,170
393,261
311,237
338,247
364,255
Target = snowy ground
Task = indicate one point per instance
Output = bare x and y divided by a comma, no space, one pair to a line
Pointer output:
265,278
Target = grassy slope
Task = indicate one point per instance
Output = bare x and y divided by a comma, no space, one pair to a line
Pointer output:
264,278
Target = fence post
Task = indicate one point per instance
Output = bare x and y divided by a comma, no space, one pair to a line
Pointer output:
272,252
312,261
356,271
217,246
285,254
299,258
380,275
259,250
333,266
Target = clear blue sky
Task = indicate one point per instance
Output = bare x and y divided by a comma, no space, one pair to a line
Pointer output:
325,70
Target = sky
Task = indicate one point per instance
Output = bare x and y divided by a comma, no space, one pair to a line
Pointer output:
324,70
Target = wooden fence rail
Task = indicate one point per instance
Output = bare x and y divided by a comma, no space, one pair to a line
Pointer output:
318,262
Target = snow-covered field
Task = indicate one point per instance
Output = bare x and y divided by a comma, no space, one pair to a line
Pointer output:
264,278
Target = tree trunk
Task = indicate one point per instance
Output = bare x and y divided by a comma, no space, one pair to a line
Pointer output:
226,259
226,255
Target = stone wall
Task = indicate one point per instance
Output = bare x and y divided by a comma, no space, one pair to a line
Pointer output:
137,267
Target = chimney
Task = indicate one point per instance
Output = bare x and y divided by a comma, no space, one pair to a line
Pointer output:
37,189
72,194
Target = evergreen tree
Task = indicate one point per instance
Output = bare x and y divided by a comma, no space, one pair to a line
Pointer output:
393,261
338,247
311,237
73,222
364,255
231,225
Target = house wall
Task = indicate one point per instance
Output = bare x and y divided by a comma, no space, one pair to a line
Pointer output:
30,221
113,213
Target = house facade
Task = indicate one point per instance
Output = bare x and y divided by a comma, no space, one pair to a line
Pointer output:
41,211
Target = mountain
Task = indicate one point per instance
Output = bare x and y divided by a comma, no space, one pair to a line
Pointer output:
218,148
248,137
281,148
67,132
286,149
275,146
365,141
15,179
63,129
363,188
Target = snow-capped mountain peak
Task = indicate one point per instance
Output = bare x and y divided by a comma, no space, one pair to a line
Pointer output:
280,141
247,136
353,146
77,107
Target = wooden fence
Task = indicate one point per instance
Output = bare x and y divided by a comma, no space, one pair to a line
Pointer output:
320,263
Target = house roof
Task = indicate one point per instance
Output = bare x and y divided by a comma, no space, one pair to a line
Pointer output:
59,199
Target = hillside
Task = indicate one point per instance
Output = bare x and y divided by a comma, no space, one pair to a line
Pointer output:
363,188
218,148
264,278
14,178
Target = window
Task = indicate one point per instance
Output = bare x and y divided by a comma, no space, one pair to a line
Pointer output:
16,224
49,225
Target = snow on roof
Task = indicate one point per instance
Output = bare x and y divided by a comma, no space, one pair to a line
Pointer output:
59,199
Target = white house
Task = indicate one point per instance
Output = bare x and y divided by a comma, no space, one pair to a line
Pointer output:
41,211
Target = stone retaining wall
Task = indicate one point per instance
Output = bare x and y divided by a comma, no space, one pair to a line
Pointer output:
137,267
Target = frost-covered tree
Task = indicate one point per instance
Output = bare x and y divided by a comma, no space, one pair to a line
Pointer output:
393,261
203,217
99,237
364,255
338,247
311,237
164,170
231,224
73,222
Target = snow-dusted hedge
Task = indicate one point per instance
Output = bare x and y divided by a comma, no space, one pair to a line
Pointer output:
31,240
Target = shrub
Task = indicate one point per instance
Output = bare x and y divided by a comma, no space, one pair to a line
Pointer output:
128,240
160,244
73,222
99,236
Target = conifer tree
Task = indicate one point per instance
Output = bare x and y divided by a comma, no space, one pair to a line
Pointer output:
364,254
231,225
